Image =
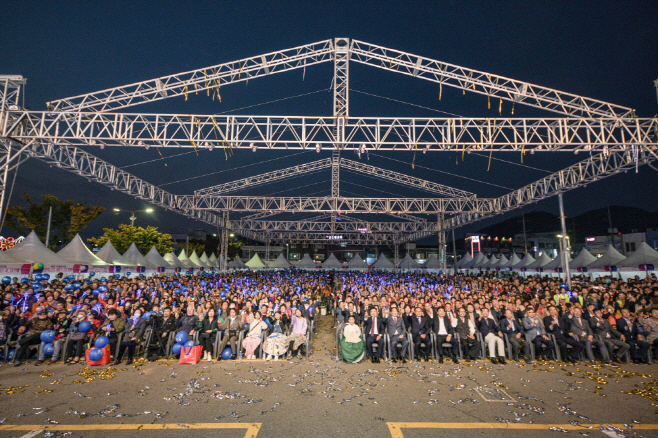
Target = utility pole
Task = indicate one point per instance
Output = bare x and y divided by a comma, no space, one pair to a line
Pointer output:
50,216
565,242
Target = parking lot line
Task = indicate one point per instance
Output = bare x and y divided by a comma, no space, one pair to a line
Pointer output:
251,428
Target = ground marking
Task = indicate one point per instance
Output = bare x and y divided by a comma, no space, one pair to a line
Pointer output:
252,428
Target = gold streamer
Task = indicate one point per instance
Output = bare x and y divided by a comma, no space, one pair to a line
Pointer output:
489,101
165,163
513,107
440,90
185,93
500,107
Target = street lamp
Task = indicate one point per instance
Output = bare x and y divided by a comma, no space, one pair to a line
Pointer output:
287,251
132,214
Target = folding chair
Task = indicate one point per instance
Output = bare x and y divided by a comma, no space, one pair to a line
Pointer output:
483,346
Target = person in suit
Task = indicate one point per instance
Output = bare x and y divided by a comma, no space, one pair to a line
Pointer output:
651,329
581,328
445,334
231,328
555,326
135,328
375,334
352,311
430,314
633,335
537,335
493,337
340,313
466,330
611,337
398,334
514,332
420,332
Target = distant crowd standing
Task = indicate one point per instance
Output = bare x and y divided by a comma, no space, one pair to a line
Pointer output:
273,313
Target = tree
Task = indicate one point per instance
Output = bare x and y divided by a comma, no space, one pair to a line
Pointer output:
68,218
144,239
233,249
193,245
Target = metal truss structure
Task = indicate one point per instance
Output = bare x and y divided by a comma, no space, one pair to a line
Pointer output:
611,136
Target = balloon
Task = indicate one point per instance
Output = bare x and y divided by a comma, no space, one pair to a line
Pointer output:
147,316
227,353
68,287
46,277
84,326
181,337
71,277
184,287
203,283
24,280
102,341
95,291
37,277
128,274
190,343
37,287
102,288
91,274
103,279
77,285
10,355
177,291
48,336
6,280
176,348
221,294
141,275
564,285
49,349
95,354
37,266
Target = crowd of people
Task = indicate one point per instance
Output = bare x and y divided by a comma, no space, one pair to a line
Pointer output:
438,315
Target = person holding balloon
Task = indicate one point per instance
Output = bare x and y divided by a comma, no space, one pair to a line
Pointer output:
52,344
135,328
112,327
81,328
37,325
209,332
231,327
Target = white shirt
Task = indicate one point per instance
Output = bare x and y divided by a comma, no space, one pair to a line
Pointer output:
374,326
442,327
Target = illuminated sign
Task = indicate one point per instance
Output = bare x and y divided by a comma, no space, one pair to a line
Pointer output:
475,239
335,237
591,239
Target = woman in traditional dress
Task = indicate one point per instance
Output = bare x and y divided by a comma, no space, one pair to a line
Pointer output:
275,345
352,346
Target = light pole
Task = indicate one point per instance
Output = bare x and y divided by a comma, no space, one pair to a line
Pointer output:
132,214
287,251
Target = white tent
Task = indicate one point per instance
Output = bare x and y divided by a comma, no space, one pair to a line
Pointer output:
154,257
382,263
280,262
256,263
77,252
513,261
541,261
110,255
475,261
136,258
357,263
557,262
194,258
611,257
502,261
306,262
171,258
408,263
237,263
482,263
642,256
185,260
583,259
433,262
525,262
492,261
5,258
32,250
205,260
460,264
213,259
332,262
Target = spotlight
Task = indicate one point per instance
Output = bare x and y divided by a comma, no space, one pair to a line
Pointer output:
253,147
363,148
318,147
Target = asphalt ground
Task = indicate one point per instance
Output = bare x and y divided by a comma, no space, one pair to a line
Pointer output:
321,397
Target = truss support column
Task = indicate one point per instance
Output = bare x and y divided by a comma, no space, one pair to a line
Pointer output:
267,248
442,240
454,253
223,257
340,111
396,250
565,242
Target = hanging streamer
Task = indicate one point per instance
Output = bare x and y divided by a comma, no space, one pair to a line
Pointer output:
489,101
163,160
185,93
440,90
513,107
500,107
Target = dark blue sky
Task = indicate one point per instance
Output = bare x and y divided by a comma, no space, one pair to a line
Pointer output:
603,50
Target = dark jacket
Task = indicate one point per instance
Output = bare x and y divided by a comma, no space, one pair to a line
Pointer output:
188,323
380,326
486,326
446,322
209,325
421,328
559,329
135,329
510,328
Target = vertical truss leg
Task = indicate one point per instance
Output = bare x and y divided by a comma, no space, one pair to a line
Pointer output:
397,251
442,241
223,257
267,249
340,111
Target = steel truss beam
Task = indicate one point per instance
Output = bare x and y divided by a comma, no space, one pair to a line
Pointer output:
483,83
329,205
11,87
338,238
341,227
209,78
274,132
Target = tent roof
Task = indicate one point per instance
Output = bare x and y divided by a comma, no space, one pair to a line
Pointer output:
357,263
185,260
433,262
513,261
466,259
6,258
583,259
256,263
237,263
306,262
154,257
482,263
280,262
194,258
643,255
475,261
382,262
135,257
77,252
502,261
110,255
213,257
557,262
32,250
541,261
408,263
171,258
525,262
609,258
492,261
332,262
205,260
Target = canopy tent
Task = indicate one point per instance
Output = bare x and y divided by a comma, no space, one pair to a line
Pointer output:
154,257
541,261
171,258
306,262
583,259
213,259
256,263
611,257
77,252
513,261
502,261
280,262
525,262
205,260
433,262
460,264
194,258
237,263
492,261
185,260
408,263
382,263
32,250
332,262
642,256
5,258
110,255
357,263
136,258
482,263
558,262
475,261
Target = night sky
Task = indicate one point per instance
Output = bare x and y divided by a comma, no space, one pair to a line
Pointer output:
603,50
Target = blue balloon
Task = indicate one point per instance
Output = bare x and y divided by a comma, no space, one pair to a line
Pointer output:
10,355
102,288
147,316
71,277
564,285
91,274
177,291
49,349
68,287
183,287
77,285
222,294
37,287
128,274
84,326
45,276
95,291
227,353
176,348
103,279
181,337
37,277
95,354
203,283
24,280
6,280
190,343
102,341
48,336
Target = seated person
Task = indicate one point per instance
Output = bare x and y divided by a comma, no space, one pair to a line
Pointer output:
135,328
297,337
231,328
37,325
112,327
76,346
275,345
511,327
352,347
544,347
492,337
252,338
398,334
61,328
